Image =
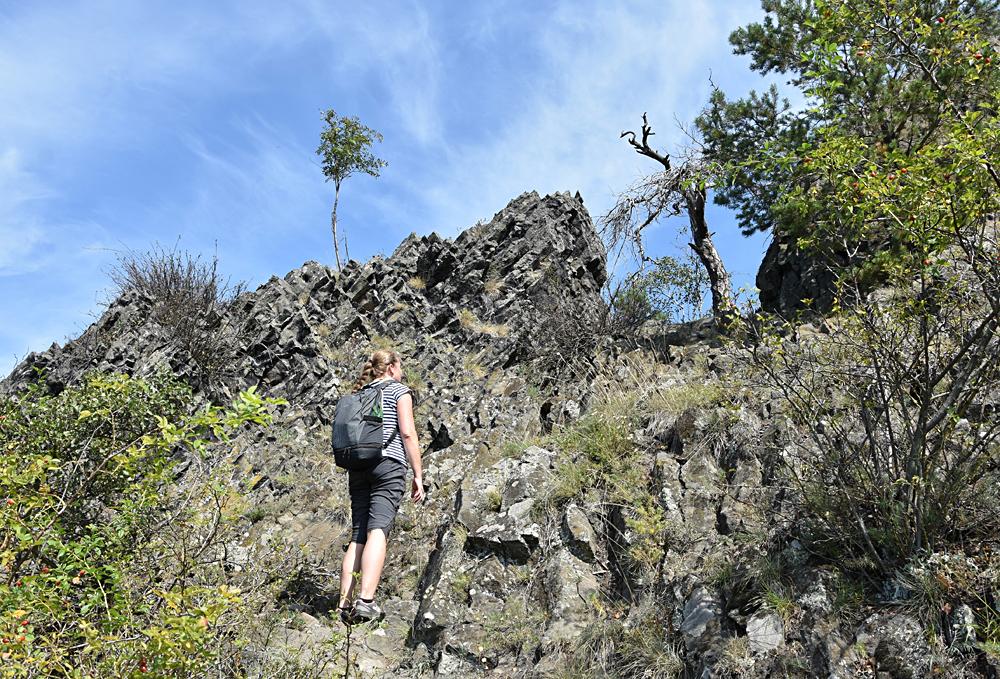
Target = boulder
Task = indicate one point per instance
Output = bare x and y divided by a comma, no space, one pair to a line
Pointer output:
702,619
570,591
579,535
766,632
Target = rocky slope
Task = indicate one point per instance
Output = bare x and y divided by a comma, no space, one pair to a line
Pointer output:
514,566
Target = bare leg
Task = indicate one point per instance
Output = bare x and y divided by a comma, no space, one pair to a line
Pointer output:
351,565
372,561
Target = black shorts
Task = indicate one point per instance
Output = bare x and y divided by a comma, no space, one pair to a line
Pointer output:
375,497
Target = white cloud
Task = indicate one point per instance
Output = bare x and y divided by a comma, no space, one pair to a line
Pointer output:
266,184
393,45
27,242
603,65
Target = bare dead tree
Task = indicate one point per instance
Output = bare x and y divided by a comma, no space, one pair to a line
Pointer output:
676,189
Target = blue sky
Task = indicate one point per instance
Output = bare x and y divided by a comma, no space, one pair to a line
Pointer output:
129,123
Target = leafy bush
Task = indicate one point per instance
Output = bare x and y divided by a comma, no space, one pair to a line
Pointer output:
101,557
895,399
672,289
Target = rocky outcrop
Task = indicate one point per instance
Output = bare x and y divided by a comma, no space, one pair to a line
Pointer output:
787,276
467,315
488,292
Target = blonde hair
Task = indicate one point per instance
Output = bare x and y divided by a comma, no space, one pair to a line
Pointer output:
376,366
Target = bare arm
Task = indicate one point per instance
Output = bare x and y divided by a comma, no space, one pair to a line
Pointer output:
408,434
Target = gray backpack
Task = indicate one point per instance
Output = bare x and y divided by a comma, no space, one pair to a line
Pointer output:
357,428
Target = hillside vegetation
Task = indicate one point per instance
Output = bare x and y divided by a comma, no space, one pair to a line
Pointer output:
804,487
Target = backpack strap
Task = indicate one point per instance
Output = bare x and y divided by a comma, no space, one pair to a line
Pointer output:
381,388
392,437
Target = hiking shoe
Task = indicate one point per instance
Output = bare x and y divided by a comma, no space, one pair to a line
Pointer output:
366,611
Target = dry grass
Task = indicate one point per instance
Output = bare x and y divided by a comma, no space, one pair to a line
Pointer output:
468,320
493,286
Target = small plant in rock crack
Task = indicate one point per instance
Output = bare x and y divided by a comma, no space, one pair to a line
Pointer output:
777,598
461,583
649,523
516,629
494,500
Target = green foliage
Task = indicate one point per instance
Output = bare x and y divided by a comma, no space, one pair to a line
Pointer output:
897,455
894,455
84,482
672,289
776,598
345,148
902,102
649,523
461,583
630,306
733,131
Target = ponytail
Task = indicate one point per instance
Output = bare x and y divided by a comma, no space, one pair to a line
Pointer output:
376,366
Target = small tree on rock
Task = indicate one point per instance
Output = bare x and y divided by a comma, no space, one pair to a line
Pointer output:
345,147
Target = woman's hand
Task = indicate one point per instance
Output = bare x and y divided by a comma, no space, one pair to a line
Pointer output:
417,492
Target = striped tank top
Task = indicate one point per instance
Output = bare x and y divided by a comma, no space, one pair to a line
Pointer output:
390,420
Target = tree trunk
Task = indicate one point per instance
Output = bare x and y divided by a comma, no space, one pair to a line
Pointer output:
719,281
333,223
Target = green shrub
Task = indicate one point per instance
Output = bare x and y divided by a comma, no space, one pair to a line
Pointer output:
672,289
649,523
90,584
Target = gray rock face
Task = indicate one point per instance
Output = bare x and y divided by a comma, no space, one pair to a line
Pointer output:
579,534
304,335
571,588
787,276
496,506
963,625
702,619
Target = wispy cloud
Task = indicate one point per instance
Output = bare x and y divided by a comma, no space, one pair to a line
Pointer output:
394,49
20,237
602,66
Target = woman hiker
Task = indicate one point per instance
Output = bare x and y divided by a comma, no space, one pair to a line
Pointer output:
377,491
